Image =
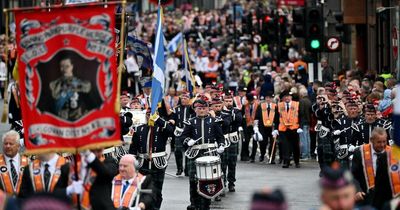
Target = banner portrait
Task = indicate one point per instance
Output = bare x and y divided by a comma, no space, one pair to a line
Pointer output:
68,78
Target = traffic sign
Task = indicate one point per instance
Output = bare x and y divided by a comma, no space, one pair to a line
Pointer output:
333,44
395,42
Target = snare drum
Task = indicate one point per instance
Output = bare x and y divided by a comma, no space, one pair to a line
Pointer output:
208,168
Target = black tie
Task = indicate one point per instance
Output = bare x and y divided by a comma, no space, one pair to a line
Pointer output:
251,109
46,177
14,174
269,109
287,107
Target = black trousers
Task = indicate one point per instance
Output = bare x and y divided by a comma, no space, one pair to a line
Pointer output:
195,199
290,145
157,176
263,145
248,133
179,152
229,159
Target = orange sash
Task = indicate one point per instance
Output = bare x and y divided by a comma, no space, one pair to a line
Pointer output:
268,119
394,173
5,177
37,176
130,194
87,184
288,120
368,167
238,102
250,119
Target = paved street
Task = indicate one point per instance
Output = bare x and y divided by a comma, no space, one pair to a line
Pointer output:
300,186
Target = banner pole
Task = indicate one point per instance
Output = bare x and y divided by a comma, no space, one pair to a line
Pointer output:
77,178
5,97
121,58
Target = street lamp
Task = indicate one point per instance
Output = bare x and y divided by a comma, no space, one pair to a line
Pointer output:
381,9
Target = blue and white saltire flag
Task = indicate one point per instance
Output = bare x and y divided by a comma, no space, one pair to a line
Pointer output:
173,45
187,76
396,123
158,80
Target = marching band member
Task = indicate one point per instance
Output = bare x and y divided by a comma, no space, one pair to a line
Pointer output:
287,126
263,126
201,133
249,113
181,113
367,125
224,119
229,157
148,145
364,165
128,184
325,115
343,130
11,164
42,175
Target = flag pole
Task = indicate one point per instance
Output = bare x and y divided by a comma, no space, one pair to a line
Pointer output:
121,57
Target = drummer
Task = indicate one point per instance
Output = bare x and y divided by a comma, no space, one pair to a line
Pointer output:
201,134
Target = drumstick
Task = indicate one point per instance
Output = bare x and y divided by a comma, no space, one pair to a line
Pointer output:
272,151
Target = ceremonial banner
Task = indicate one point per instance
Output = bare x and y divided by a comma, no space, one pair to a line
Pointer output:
142,54
68,78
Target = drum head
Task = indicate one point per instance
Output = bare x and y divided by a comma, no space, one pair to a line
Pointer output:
208,159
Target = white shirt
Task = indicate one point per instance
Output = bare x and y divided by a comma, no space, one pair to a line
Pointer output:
52,165
16,162
374,158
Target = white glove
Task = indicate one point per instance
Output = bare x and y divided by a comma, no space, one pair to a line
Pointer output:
191,142
88,156
275,133
255,129
220,149
21,142
75,188
257,136
300,130
240,129
337,132
391,142
351,148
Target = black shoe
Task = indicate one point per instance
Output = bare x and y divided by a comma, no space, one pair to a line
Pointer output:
218,198
297,165
285,166
191,207
186,174
273,163
179,172
251,160
231,188
244,159
222,194
262,159
280,161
